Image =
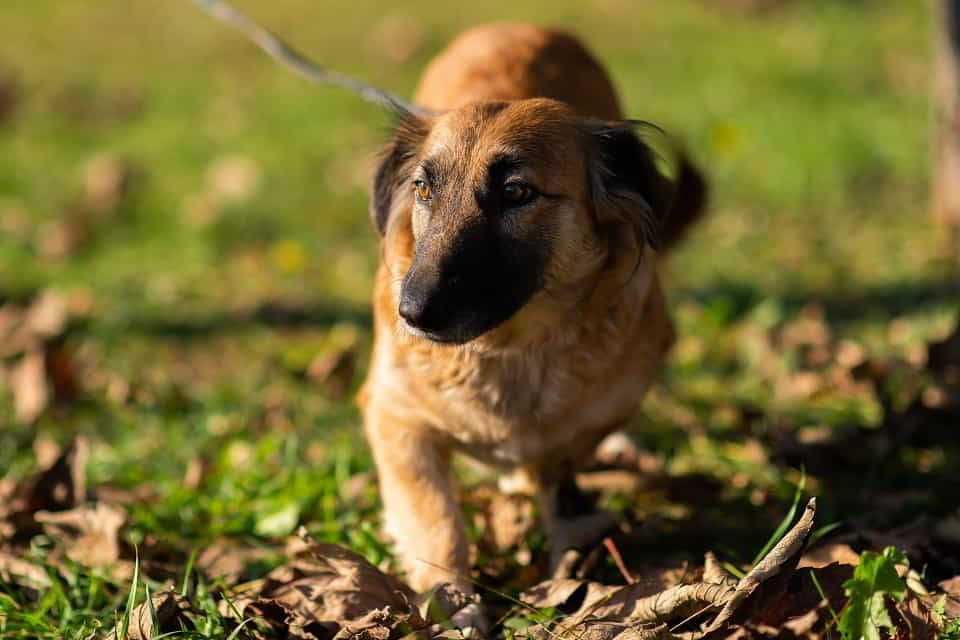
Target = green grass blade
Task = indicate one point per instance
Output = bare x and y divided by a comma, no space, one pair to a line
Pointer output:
185,587
786,522
123,627
824,531
816,583
233,635
154,621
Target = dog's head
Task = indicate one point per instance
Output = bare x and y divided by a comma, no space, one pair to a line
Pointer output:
514,210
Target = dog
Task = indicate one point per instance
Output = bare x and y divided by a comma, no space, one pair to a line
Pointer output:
518,313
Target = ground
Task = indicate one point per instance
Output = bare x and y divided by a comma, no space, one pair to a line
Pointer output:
197,216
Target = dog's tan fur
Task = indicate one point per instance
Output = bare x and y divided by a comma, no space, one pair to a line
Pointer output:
540,390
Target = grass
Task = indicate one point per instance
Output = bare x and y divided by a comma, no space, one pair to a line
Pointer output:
205,312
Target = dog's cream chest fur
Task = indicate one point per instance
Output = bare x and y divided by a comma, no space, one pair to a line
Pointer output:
529,405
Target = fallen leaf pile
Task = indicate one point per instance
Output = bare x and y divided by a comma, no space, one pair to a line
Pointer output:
870,578
324,591
34,361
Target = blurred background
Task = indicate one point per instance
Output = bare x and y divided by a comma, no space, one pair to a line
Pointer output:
186,258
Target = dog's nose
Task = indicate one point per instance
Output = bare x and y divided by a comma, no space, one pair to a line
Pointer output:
413,307
419,301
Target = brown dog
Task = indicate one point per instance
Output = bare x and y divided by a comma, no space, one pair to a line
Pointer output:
518,313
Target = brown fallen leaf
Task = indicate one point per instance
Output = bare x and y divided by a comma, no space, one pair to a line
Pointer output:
442,603
14,569
916,619
809,327
46,317
229,560
64,237
828,554
46,451
233,179
951,592
803,625
595,610
174,614
611,481
198,468
566,595
768,579
713,571
64,484
606,632
28,381
90,534
45,369
60,486
107,180
325,583
333,372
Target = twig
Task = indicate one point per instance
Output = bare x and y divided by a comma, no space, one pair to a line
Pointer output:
618,560
298,63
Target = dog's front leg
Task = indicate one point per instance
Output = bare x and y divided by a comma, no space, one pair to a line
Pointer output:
420,510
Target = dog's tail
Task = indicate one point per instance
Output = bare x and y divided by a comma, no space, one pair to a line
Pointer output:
689,202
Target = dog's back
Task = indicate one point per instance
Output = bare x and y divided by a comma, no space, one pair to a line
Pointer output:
517,61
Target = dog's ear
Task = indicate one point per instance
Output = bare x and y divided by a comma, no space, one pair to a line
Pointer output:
394,168
630,187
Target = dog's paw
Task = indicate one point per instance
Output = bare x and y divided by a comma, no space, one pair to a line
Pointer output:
457,607
472,621
569,536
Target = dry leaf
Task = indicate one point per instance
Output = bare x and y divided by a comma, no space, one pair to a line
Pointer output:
106,180
196,473
233,179
828,554
64,484
951,589
47,315
228,560
326,583
28,381
567,595
174,614
333,371
612,481
16,570
768,579
91,535
63,238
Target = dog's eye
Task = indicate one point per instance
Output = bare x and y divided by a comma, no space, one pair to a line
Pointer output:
422,189
517,193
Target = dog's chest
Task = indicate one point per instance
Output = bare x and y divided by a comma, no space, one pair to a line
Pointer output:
520,407
538,409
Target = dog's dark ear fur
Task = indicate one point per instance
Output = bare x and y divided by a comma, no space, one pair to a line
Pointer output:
393,172
628,187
